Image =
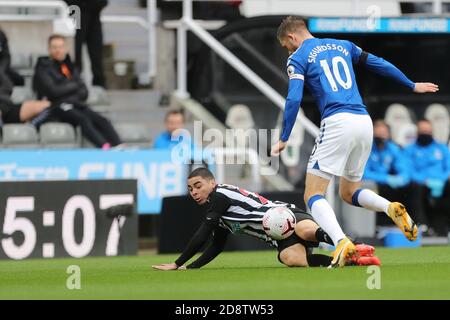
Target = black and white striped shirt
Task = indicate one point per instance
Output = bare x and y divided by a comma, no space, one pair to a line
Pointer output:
242,211
229,209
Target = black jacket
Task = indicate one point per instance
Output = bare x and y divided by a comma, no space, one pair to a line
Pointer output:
6,87
49,82
5,56
5,62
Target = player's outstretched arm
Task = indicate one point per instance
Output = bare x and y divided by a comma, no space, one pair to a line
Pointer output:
194,245
425,87
385,68
213,250
291,109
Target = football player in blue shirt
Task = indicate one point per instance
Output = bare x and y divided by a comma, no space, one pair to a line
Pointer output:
345,140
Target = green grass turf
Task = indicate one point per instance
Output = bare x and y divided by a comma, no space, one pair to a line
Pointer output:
422,273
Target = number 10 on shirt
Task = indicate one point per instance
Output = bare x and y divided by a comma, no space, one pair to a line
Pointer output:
347,84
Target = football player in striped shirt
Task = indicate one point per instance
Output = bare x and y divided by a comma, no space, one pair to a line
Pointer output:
234,210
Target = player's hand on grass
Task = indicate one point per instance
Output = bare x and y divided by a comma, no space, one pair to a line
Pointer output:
424,87
166,266
277,148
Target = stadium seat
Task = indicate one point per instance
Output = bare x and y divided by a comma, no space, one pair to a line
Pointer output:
20,60
56,135
97,96
406,134
17,136
21,94
133,134
102,109
439,117
239,117
396,116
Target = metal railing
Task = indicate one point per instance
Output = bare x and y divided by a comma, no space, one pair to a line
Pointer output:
272,179
59,8
187,23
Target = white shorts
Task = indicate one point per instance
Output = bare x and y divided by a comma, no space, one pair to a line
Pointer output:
342,147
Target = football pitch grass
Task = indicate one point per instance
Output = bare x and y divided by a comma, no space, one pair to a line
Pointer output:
420,273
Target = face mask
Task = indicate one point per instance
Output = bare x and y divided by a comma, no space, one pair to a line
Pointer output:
424,139
379,142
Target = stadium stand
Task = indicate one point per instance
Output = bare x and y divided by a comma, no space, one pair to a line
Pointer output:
55,135
239,117
406,134
21,94
98,100
134,135
97,96
20,136
397,115
440,119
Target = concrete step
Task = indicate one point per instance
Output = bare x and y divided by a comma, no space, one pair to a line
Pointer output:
130,40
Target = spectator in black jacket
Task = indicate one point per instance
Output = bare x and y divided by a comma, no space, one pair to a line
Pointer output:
34,111
57,80
91,33
5,62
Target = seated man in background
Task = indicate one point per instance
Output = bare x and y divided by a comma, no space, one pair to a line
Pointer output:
34,111
57,80
181,144
387,167
173,121
429,195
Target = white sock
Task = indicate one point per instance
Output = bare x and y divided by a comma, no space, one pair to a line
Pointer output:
326,218
371,201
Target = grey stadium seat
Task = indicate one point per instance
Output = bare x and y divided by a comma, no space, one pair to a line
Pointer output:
20,60
439,117
17,136
397,115
20,94
57,135
134,134
97,96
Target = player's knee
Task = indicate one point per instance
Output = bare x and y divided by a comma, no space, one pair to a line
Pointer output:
346,195
306,230
294,261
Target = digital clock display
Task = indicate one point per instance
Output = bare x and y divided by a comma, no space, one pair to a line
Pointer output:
66,219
